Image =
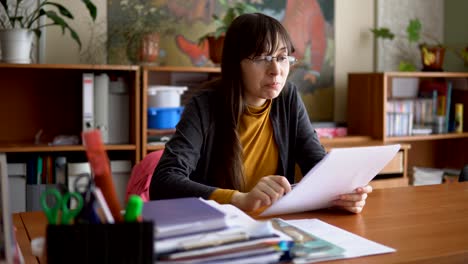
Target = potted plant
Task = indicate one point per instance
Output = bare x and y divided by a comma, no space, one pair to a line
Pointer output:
18,22
432,53
215,38
138,29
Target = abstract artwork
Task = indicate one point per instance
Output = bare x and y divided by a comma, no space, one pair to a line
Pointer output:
310,24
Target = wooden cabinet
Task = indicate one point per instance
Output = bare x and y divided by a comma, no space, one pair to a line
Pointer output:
40,102
368,97
192,77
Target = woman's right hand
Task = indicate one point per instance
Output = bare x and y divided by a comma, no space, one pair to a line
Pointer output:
267,191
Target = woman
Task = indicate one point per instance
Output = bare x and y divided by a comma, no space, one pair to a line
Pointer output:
238,142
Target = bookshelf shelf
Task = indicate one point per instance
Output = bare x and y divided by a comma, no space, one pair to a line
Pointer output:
68,148
428,137
369,95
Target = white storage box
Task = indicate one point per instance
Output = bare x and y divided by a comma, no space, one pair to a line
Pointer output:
405,87
427,176
17,182
121,171
165,96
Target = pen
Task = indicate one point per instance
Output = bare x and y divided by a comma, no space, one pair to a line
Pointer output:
103,204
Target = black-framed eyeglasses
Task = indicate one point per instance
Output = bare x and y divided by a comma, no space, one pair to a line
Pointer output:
283,60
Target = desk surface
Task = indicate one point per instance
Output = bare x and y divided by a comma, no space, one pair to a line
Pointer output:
424,224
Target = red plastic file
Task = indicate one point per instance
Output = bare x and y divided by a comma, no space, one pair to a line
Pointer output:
99,162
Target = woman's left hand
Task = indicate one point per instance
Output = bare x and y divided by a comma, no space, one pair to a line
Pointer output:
354,202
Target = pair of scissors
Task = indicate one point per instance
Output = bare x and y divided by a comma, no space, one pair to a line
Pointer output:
60,205
85,186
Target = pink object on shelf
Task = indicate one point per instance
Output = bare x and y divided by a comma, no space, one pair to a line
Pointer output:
331,132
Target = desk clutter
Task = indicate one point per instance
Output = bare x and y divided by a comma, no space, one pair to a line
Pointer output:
193,230
86,225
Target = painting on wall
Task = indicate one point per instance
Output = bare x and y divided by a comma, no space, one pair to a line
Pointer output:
181,23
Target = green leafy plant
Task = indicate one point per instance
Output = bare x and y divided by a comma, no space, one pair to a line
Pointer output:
16,14
413,36
413,30
222,23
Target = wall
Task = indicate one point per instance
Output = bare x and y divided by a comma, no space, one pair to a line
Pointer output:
395,14
354,44
63,49
456,32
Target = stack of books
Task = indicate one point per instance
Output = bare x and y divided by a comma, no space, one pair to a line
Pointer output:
190,230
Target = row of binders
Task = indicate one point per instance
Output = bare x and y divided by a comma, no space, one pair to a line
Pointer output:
106,106
193,230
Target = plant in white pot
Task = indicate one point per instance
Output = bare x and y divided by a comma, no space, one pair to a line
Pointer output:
19,23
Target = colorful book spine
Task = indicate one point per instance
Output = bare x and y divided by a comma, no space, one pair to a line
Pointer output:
447,106
459,118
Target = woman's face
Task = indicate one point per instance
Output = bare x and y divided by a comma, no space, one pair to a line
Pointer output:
264,77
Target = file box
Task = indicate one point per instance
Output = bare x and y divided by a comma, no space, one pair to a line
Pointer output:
164,117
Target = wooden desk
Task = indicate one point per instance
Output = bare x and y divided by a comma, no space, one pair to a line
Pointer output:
425,224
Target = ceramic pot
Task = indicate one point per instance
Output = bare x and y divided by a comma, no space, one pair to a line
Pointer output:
149,48
432,57
16,45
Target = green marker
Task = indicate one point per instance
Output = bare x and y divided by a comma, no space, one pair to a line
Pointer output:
133,209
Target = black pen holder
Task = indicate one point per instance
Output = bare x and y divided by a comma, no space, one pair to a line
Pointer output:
100,243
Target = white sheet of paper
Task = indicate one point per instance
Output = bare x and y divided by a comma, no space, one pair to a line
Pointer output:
341,171
354,245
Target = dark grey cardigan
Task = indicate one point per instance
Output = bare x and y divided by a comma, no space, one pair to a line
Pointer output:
183,168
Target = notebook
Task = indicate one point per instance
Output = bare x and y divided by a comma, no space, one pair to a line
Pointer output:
182,216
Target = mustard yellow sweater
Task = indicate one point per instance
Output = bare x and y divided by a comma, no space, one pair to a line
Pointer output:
260,151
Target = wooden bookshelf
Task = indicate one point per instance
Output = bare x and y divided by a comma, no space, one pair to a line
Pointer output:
368,94
39,102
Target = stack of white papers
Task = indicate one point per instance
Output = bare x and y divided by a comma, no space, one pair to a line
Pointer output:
341,171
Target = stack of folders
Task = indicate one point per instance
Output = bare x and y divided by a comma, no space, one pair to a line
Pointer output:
192,230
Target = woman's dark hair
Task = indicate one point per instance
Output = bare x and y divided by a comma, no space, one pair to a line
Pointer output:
248,35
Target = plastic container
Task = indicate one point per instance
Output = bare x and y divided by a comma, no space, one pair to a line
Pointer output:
165,96
164,117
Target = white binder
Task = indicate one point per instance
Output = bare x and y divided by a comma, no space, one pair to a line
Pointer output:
88,101
101,105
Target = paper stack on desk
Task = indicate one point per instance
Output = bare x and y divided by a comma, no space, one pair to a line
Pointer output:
235,239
